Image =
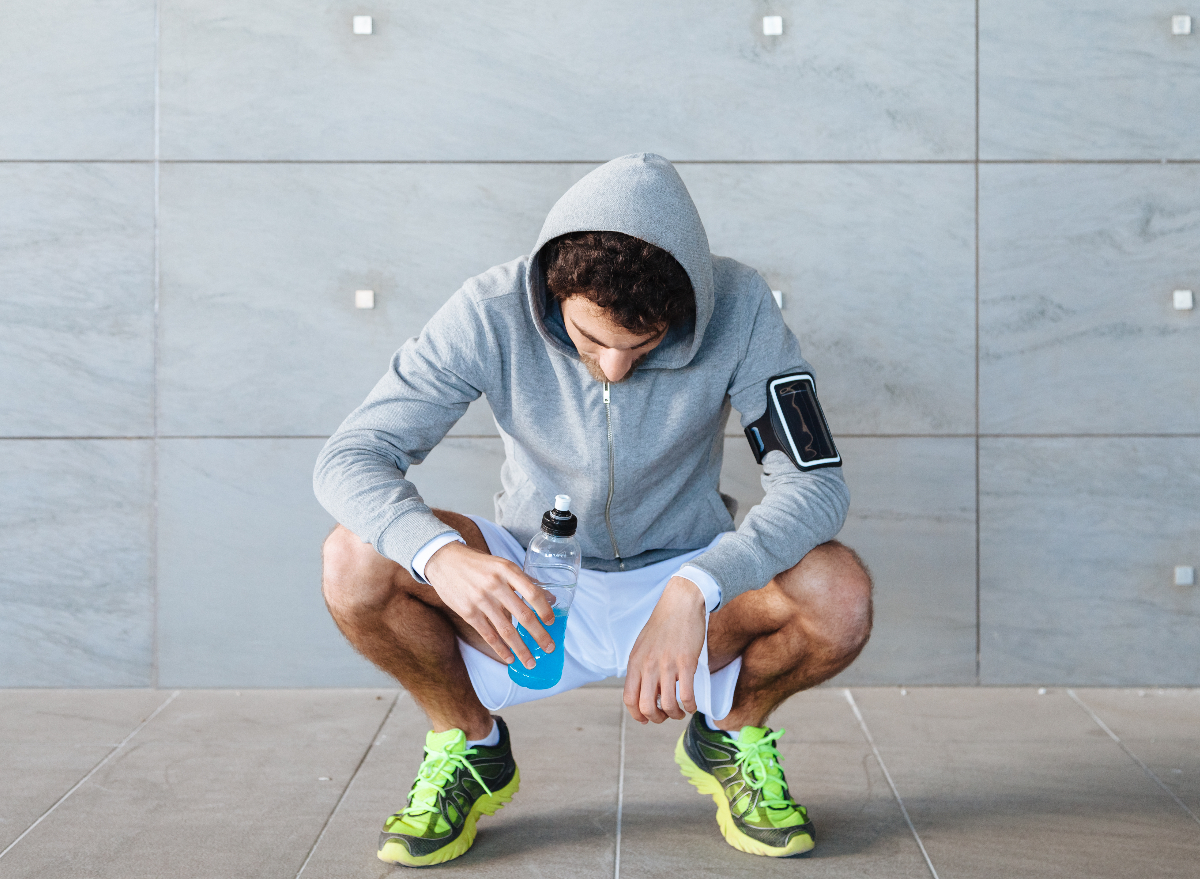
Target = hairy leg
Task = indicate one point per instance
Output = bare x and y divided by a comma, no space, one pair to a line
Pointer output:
802,628
403,627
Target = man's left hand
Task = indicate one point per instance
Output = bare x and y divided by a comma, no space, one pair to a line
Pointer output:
667,651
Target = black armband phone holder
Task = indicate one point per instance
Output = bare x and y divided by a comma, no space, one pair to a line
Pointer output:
794,424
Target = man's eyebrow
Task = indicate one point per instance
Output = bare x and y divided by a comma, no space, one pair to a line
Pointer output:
653,338
592,338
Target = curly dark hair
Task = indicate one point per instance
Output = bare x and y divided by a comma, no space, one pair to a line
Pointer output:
642,287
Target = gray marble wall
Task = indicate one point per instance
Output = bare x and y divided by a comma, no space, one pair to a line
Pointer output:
977,213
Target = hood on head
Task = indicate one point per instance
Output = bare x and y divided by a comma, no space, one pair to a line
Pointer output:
640,195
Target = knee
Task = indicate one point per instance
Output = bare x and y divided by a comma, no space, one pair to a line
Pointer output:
835,597
353,579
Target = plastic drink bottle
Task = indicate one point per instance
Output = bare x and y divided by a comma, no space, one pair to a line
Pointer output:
552,561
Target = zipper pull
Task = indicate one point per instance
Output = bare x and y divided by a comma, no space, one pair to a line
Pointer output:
606,393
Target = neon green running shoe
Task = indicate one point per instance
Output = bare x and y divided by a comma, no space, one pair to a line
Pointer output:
454,786
754,810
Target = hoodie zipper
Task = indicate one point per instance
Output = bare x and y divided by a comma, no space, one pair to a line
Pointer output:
611,480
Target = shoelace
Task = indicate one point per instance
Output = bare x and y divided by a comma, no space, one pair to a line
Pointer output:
762,772
436,770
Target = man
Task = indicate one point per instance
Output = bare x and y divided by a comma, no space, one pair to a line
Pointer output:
610,357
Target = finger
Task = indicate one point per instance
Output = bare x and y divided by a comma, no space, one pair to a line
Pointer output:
527,618
488,633
666,698
503,623
648,702
687,692
534,594
630,697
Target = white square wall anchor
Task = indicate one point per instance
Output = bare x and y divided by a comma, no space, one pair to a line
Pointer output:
1185,575
363,25
778,294
364,298
1183,300
773,25
1181,25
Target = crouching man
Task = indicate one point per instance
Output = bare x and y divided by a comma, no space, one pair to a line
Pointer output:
611,357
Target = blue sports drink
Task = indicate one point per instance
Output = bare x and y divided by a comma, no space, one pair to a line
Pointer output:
548,670
552,562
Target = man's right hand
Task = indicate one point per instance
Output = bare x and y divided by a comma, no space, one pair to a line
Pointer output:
486,592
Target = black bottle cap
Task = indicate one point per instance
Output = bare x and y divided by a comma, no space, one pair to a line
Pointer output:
560,521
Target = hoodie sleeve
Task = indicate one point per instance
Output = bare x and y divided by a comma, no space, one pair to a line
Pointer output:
801,509
360,474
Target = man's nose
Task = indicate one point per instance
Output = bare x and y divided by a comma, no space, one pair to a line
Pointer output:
616,363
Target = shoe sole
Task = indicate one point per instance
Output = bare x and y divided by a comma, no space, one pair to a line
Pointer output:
394,852
707,784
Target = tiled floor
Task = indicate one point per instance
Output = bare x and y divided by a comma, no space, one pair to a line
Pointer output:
945,782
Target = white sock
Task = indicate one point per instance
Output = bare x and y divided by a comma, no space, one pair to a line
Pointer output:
490,741
733,734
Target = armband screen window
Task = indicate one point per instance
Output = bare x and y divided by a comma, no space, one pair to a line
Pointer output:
794,424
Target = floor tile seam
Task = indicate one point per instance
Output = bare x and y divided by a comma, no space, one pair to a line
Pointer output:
1132,756
620,798
862,724
112,753
349,782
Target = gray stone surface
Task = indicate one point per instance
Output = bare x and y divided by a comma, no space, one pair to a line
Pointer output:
219,784
669,828
77,80
1077,329
912,519
998,781
544,81
1010,783
741,478
1102,80
883,304
258,330
1079,540
77,307
562,822
234,283
239,569
303,162
461,474
76,589
1159,727
50,739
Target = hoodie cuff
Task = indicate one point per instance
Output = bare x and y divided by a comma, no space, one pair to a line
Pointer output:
709,588
408,533
425,553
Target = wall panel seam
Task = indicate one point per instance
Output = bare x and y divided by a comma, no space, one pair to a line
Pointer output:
154,527
86,161
978,534
453,436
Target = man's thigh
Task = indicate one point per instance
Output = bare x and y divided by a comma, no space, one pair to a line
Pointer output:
816,595
367,580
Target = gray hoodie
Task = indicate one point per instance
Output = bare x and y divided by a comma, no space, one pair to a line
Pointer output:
642,471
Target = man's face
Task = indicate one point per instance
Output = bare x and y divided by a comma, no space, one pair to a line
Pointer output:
610,352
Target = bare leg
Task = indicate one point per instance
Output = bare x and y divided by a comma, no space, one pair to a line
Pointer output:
802,628
404,628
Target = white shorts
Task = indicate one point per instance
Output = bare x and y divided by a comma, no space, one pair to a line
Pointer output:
606,617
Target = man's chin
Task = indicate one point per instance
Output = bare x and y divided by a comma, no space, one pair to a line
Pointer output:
594,370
